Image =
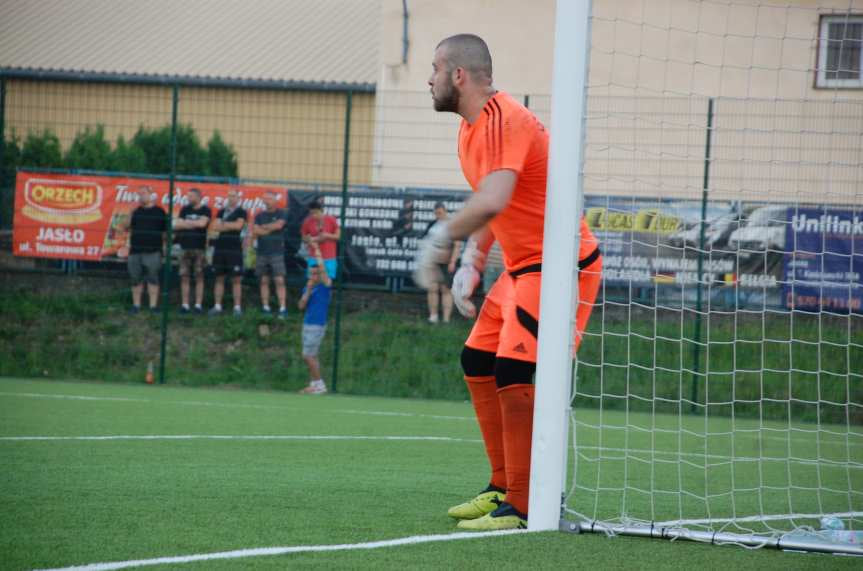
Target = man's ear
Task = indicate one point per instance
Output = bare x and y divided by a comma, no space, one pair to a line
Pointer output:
458,76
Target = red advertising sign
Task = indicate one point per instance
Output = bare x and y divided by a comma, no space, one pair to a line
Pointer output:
82,217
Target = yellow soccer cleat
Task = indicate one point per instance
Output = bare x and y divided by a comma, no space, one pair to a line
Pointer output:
504,517
485,503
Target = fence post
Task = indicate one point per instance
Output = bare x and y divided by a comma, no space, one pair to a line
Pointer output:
696,351
166,268
341,255
3,149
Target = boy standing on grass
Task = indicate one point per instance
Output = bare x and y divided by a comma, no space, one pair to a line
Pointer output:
315,301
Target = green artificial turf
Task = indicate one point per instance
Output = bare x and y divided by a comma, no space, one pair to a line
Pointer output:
73,502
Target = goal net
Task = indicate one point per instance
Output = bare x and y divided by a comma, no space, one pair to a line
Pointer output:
718,393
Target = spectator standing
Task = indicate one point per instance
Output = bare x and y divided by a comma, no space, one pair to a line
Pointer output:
270,253
439,294
228,252
147,225
323,230
192,236
315,301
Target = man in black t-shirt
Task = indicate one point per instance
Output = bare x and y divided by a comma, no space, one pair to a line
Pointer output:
192,237
147,226
268,229
228,252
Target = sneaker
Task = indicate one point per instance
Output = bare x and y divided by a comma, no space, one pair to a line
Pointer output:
216,311
314,388
283,313
198,309
134,310
485,503
185,310
154,309
433,319
504,517
238,312
266,310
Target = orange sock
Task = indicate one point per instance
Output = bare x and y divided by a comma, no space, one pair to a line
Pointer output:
516,404
483,394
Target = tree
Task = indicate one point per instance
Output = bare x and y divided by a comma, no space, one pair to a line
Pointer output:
147,152
156,144
89,150
11,159
41,150
221,157
127,158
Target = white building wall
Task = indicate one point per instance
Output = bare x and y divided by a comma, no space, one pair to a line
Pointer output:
654,64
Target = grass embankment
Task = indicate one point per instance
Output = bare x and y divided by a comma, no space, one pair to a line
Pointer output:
89,334
769,364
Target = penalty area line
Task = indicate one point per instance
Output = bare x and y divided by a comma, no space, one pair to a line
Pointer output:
240,437
269,551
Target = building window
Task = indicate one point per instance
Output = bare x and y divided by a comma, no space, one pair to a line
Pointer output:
839,52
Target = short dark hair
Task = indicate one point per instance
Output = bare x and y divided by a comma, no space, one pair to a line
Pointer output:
439,205
196,191
469,52
316,204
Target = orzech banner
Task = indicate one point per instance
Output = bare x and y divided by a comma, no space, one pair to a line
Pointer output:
81,217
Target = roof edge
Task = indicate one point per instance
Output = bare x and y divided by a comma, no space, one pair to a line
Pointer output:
182,80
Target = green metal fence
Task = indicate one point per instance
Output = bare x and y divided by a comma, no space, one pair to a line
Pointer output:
68,319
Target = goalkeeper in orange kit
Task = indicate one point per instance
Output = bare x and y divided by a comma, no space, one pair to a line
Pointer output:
503,150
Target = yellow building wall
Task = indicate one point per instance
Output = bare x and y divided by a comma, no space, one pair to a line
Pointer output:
278,135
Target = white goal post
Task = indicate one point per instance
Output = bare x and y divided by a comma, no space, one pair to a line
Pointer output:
560,249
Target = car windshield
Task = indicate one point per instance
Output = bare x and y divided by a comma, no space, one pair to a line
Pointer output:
772,216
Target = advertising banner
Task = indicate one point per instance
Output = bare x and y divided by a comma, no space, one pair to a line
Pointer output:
824,260
382,230
808,258
80,217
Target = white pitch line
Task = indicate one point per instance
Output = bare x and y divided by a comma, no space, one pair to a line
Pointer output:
403,438
413,414
269,551
240,437
237,405
73,397
807,461
742,435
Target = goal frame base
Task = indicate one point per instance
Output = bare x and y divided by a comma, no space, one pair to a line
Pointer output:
716,538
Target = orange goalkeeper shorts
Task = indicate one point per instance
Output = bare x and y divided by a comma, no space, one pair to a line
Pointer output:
508,324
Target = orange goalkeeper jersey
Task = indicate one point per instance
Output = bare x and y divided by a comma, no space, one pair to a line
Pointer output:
507,136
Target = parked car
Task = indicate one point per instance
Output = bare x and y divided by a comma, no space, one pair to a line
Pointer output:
716,232
763,230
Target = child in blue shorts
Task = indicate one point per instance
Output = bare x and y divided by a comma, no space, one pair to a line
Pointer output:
315,301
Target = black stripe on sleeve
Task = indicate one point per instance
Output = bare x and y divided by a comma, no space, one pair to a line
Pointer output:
499,138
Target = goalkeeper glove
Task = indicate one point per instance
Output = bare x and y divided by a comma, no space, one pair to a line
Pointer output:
467,278
433,250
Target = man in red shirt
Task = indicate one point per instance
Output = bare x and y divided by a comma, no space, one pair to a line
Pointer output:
503,150
323,230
